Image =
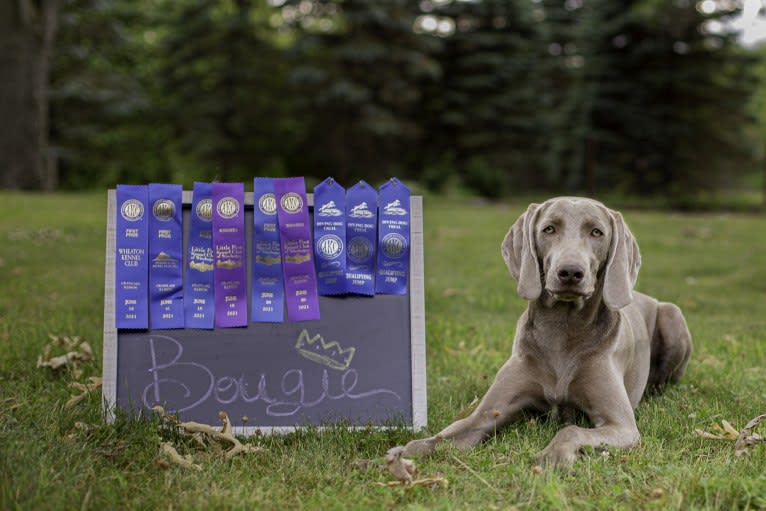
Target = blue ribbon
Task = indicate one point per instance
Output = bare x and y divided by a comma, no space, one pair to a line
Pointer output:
199,301
393,238
131,264
268,289
166,304
361,218
330,236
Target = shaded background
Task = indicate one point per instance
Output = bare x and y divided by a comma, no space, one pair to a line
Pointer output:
658,98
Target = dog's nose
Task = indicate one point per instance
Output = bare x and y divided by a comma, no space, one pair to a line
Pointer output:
570,275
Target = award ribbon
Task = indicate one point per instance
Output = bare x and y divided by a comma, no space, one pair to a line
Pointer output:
330,236
361,214
268,290
230,273
297,264
199,302
393,238
166,303
131,264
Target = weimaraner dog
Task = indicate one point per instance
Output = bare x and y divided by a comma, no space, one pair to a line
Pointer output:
586,343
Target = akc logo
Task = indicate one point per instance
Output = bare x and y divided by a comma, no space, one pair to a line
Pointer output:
359,250
204,210
228,207
267,204
163,210
291,203
132,210
329,246
394,245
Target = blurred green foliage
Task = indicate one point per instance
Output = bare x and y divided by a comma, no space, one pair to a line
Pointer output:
638,96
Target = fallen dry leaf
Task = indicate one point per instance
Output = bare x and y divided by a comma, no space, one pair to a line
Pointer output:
167,449
727,432
744,439
404,469
78,352
200,432
400,467
84,388
747,438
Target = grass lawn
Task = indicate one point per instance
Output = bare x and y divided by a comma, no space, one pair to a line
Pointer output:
713,266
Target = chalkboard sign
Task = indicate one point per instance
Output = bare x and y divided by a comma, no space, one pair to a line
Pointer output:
362,363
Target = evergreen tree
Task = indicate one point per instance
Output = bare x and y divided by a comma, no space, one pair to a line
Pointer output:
556,57
484,105
104,125
361,71
691,97
223,80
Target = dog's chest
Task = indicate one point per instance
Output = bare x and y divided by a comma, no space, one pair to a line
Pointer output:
562,371
559,363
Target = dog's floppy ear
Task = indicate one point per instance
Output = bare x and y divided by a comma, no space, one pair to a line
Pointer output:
520,254
622,265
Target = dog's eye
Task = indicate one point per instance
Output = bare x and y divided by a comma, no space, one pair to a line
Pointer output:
549,230
596,233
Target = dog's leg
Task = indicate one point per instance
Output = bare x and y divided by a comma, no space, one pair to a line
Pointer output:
603,397
511,392
671,348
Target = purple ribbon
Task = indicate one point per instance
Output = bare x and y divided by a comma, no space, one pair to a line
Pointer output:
131,263
268,289
230,274
393,238
166,304
199,301
295,241
330,236
361,215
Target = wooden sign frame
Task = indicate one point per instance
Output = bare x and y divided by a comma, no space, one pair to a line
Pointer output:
417,339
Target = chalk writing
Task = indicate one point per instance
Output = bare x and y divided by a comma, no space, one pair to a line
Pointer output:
198,383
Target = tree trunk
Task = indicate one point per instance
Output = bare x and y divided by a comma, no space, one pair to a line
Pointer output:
27,30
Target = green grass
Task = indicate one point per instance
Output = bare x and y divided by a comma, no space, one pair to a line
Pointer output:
51,281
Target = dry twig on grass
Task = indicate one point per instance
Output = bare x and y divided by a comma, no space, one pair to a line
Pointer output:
432,481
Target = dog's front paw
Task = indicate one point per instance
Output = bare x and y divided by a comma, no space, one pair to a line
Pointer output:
422,447
558,454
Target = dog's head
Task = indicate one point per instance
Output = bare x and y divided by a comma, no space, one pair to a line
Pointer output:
570,246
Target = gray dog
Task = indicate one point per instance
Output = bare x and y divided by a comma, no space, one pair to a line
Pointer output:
586,343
